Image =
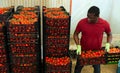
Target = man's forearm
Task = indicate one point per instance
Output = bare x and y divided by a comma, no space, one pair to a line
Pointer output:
76,38
109,38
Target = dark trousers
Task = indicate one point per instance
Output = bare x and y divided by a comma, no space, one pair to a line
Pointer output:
78,68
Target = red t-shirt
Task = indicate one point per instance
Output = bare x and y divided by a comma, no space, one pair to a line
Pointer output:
92,34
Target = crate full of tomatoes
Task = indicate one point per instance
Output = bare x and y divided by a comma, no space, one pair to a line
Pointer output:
23,62
24,56
23,26
92,57
6,12
56,50
113,56
23,68
56,40
23,22
35,9
23,40
4,66
56,31
56,18
58,64
30,9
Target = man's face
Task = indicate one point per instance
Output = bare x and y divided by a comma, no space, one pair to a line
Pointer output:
92,18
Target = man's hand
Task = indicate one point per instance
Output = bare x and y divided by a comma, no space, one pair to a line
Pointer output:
107,47
78,52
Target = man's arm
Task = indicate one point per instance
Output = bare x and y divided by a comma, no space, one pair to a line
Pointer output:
109,37
76,38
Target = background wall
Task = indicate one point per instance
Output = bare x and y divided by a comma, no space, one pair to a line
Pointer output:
108,10
31,3
26,3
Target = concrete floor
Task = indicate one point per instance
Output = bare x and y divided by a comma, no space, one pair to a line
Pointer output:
110,68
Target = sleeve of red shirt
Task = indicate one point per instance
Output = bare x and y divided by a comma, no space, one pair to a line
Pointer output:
78,27
107,27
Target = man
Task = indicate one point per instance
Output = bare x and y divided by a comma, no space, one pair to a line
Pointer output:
92,29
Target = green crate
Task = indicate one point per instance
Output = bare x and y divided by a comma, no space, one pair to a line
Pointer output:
112,58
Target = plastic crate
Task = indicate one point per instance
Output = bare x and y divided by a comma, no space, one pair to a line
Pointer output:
57,41
92,57
92,61
35,35
23,39
58,31
61,66
23,50
21,61
55,23
22,8
56,50
113,58
30,28
22,45
24,69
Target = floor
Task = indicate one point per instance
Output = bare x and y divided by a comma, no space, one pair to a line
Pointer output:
111,68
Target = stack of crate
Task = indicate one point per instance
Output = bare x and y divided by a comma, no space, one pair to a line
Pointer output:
113,56
23,41
5,12
56,32
4,66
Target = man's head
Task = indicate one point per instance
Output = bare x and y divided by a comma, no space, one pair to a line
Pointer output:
93,14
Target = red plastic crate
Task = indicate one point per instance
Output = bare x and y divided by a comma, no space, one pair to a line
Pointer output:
58,63
24,69
92,57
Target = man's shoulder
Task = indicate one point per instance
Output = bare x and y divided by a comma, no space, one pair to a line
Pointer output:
102,20
83,20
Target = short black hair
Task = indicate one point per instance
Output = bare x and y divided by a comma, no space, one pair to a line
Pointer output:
94,9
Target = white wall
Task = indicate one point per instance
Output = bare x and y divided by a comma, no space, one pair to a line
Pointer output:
57,3
26,3
109,10
115,17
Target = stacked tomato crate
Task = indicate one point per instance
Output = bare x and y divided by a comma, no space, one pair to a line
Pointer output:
4,66
23,41
56,30
113,56
5,12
